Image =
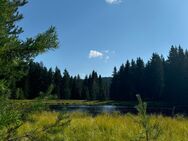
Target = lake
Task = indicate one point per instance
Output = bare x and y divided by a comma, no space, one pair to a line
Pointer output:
94,110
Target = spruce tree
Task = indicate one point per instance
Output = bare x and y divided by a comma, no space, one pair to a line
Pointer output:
155,77
114,84
66,90
140,77
57,81
85,89
102,94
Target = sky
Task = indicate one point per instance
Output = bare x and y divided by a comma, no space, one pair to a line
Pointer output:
100,34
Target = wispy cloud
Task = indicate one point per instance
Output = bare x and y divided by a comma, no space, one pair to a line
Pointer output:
104,55
95,54
113,1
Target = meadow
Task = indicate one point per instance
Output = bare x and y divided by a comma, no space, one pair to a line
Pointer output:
103,127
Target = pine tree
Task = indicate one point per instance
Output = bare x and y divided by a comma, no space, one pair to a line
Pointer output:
172,73
102,94
121,93
114,84
57,81
140,77
133,80
76,92
155,77
126,86
79,87
93,86
14,52
66,91
85,89
176,77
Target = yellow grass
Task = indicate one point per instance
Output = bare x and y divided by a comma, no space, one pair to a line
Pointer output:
104,127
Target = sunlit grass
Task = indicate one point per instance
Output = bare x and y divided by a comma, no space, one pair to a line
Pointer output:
104,127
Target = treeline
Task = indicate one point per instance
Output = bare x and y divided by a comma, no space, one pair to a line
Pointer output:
63,86
159,79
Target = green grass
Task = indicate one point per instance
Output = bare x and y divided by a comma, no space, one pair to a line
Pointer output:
104,127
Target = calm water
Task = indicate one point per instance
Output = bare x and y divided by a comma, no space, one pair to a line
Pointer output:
112,108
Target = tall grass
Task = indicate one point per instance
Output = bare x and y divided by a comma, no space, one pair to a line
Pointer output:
105,127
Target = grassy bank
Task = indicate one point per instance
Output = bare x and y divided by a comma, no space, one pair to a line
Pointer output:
66,102
104,127
87,102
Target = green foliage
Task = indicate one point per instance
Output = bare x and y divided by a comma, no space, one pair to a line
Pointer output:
4,91
155,77
66,89
48,94
10,119
14,52
57,80
151,132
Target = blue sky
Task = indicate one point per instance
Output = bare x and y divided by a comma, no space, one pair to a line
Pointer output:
100,34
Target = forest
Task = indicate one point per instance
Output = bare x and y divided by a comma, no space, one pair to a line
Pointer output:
159,79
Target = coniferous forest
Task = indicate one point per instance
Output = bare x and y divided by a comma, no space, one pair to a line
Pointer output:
159,79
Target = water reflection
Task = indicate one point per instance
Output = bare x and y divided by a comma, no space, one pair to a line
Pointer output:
84,108
113,108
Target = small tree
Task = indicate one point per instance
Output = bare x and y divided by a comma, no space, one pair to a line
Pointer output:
15,54
150,131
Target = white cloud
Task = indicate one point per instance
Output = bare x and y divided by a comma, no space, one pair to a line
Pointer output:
113,1
95,54
104,55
